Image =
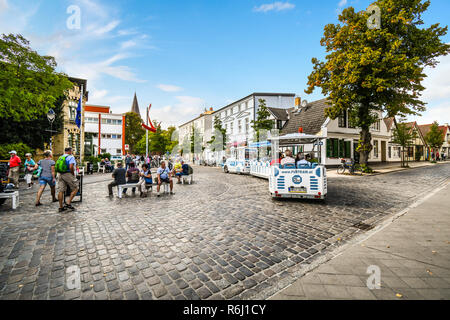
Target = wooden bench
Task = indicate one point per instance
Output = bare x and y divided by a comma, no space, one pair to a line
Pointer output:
188,179
130,186
11,195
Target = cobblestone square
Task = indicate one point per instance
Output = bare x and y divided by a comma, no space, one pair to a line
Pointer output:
222,237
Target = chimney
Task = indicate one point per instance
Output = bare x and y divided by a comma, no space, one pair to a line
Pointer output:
298,102
211,109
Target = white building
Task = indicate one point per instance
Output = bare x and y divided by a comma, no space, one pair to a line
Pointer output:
237,117
104,131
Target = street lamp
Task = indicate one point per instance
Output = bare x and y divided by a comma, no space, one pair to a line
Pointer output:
51,115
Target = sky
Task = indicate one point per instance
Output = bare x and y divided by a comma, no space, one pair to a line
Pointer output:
183,56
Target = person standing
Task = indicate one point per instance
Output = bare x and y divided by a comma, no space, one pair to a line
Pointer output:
127,161
65,166
119,178
29,169
14,168
47,176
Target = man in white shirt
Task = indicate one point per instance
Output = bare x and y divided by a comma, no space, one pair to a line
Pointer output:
288,158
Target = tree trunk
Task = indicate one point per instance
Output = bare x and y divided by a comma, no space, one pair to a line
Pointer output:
365,145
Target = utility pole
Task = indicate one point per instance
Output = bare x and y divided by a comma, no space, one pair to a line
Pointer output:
146,137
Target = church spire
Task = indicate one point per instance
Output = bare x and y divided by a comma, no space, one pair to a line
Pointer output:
135,106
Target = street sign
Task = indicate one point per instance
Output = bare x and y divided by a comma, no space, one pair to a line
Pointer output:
127,147
319,143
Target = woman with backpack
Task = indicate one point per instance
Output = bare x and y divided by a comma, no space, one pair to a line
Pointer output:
47,176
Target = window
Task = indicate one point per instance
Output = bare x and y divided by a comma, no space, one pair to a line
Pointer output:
375,148
103,150
246,125
376,126
231,128
239,108
119,152
337,148
279,124
343,119
239,126
390,152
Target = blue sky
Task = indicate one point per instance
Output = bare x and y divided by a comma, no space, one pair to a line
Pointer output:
183,56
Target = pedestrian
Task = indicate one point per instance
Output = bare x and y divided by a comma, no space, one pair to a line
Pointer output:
14,169
119,178
437,156
29,169
65,167
127,161
47,176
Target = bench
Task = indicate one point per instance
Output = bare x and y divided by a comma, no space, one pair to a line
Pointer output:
130,186
11,195
187,179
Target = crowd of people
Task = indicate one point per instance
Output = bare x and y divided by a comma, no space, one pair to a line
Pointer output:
143,179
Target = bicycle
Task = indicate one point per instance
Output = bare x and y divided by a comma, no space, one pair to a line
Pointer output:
352,167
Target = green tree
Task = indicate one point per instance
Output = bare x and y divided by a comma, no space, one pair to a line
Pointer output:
171,137
435,137
262,121
404,136
371,70
133,130
29,84
196,141
219,139
33,132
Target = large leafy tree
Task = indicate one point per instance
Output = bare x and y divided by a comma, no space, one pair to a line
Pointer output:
171,138
158,142
377,69
262,122
435,137
133,130
33,133
29,84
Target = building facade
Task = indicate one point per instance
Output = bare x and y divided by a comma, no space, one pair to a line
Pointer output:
104,131
71,135
237,117
341,137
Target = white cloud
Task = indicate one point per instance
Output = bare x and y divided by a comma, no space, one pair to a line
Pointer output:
3,5
14,19
276,6
103,30
342,3
169,88
437,83
128,44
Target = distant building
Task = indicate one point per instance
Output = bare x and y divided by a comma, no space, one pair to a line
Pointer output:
445,149
104,131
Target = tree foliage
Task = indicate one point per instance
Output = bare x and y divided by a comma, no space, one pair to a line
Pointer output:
133,130
435,137
33,132
262,121
403,135
369,70
29,84
219,139
159,142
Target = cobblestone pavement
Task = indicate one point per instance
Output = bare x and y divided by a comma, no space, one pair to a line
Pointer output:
221,238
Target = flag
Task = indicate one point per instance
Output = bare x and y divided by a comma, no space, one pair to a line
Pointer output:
78,116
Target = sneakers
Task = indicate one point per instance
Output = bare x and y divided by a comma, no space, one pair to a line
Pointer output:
172,193
62,209
69,206
38,204
158,194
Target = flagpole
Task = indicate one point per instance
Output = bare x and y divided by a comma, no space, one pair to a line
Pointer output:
146,138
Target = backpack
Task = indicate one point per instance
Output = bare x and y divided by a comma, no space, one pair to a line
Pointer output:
190,170
134,176
61,164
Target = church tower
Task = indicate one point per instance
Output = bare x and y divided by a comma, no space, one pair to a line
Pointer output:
135,106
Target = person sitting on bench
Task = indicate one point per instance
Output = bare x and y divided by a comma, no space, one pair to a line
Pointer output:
164,176
146,178
119,178
133,177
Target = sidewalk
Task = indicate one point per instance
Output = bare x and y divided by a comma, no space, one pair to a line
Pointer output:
383,168
412,252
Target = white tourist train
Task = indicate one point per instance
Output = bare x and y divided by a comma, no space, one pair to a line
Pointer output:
307,181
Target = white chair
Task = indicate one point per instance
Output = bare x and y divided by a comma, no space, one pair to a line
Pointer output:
100,167
187,179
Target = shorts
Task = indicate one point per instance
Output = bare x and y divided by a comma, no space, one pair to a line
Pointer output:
167,180
67,180
179,174
43,181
